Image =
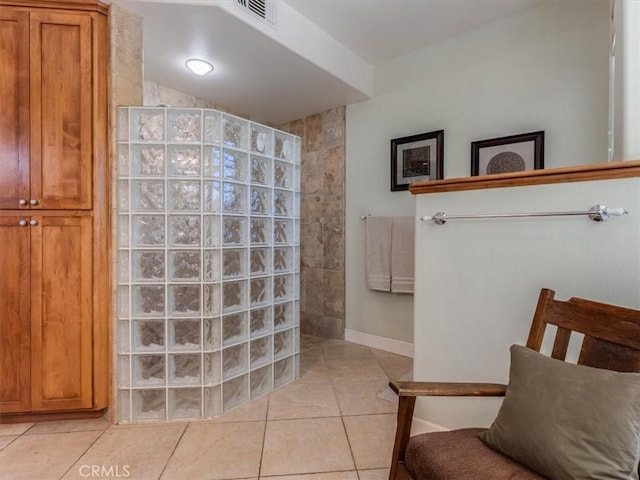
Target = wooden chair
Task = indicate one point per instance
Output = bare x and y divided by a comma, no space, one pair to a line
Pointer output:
611,341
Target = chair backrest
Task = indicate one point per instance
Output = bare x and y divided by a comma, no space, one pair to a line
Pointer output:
611,333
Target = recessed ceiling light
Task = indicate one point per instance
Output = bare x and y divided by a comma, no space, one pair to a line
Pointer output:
198,66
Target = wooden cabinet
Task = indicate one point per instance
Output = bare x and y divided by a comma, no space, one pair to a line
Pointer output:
54,206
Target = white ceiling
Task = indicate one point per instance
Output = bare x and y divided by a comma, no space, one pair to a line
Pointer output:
274,76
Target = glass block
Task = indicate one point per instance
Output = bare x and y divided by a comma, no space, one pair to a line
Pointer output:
211,265
234,165
185,299
211,201
148,335
123,231
148,370
283,371
124,406
184,334
147,125
260,201
282,344
212,368
123,195
234,132
211,331
296,205
124,377
284,146
234,230
123,301
260,321
148,160
296,312
184,265
123,160
261,381
296,259
123,124
211,162
234,198
235,392
282,287
234,263
282,231
211,300
234,360
148,300
124,345
234,296
260,170
282,174
147,195
296,340
296,366
295,225
212,402
148,405
260,230
212,126
259,291
260,351
259,261
296,285
297,171
185,403
184,230
282,316
123,266
261,139
282,203
211,231
184,195
184,369
184,160
148,230
234,328
148,265
184,125
282,259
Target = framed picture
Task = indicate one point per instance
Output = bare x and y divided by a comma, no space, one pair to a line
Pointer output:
515,153
416,158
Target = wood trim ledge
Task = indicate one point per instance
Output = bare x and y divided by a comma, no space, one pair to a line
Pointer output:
580,173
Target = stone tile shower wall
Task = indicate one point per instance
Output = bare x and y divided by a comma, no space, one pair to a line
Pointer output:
208,262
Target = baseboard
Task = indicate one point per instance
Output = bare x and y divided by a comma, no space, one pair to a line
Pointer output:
419,426
381,343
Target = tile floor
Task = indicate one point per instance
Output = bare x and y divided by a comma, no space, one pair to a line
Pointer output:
328,425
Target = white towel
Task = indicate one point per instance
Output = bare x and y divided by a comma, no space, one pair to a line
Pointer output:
378,253
402,254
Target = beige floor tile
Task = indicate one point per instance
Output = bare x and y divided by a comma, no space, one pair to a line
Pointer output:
361,398
44,457
305,446
349,475
396,367
314,370
371,438
254,411
355,370
14,428
303,400
63,426
346,350
6,440
384,354
142,452
377,474
210,451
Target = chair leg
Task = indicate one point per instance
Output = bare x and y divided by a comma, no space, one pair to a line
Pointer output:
406,404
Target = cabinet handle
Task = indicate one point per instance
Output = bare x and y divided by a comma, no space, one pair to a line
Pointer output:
33,221
22,201
22,223
33,201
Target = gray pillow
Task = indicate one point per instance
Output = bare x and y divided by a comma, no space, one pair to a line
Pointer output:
568,421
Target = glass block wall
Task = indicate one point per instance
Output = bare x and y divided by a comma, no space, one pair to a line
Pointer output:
208,262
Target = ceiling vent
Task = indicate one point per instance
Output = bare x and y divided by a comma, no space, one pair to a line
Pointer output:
261,9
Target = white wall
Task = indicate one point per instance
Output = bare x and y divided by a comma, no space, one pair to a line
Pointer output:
543,69
479,280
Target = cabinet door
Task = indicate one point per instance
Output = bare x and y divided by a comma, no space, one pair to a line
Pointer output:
61,313
14,107
61,110
15,331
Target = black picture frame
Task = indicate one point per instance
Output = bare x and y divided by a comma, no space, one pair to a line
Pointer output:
514,153
416,158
